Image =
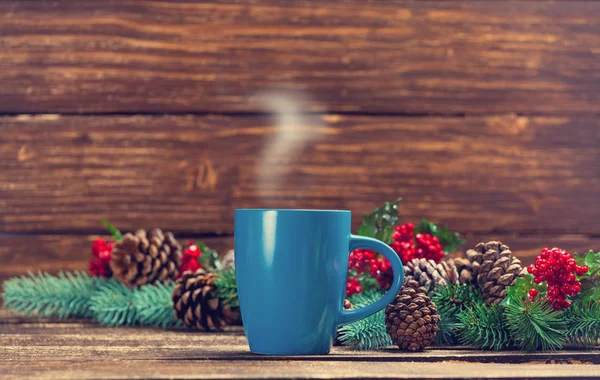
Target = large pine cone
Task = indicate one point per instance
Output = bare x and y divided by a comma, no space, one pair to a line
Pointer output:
429,274
496,269
145,258
411,319
196,305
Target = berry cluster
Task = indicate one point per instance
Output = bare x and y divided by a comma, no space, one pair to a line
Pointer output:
367,261
558,268
190,259
100,262
408,246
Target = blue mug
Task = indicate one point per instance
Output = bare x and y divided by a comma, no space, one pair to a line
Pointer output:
292,268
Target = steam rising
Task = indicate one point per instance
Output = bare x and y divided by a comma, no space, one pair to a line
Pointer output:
294,132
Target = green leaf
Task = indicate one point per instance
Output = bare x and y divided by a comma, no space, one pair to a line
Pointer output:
381,222
518,293
368,230
114,231
590,281
210,259
450,241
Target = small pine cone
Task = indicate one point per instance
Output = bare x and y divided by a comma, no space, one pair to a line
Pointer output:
411,319
496,268
145,258
195,304
464,269
429,274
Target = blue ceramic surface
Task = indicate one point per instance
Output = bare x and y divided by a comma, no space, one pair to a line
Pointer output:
292,268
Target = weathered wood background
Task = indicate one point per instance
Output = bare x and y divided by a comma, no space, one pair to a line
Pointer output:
480,114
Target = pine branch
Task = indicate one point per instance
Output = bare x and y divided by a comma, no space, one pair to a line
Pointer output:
368,333
112,305
451,300
64,296
535,325
226,287
583,324
483,327
154,307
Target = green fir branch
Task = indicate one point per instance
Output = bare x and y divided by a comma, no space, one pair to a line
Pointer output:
112,305
226,287
154,306
66,295
482,327
451,300
368,333
535,325
450,241
583,324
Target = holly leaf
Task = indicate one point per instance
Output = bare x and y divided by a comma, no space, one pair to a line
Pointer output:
381,222
367,230
590,281
114,231
518,293
210,259
450,241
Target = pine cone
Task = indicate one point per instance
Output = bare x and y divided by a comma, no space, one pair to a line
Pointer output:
464,269
195,304
496,268
429,274
412,319
145,258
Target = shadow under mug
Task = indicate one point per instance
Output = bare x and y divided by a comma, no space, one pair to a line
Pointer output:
292,268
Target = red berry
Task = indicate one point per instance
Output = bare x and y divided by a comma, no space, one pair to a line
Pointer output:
580,271
533,293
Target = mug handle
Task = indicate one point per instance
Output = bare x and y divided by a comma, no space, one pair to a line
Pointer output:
347,316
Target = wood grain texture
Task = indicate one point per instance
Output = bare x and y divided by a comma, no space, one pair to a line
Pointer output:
399,57
74,350
222,370
500,174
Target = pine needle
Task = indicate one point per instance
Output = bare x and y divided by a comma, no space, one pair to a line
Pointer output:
112,305
483,327
535,325
368,333
451,300
66,295
154,306
583,321
226,287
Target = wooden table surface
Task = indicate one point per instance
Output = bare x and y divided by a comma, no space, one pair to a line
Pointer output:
50,349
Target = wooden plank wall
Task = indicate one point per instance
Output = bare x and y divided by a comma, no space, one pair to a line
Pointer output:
480,114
